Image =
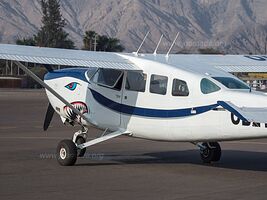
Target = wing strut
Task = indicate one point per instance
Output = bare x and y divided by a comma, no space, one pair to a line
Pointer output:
38,80
247,114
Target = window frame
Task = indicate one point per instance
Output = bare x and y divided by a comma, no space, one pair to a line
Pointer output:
167,81
107,86
176,79
91,75
219,88
144,75
240,82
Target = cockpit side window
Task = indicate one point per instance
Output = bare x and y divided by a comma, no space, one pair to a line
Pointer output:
231,83
107,77
208,86
179,88
136,81
158,84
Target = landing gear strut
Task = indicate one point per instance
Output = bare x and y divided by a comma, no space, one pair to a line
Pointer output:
210,152
80,152
69,150
80,138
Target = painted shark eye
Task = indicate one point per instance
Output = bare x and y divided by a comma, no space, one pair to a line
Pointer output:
72,86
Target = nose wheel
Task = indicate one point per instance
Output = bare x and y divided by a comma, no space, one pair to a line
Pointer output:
66,153
210,152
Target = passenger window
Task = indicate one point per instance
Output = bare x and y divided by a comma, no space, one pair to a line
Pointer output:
136,81
208,86
107,77
179,88
158,84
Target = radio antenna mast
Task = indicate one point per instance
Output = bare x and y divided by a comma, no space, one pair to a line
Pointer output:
167,55
136,53
155,52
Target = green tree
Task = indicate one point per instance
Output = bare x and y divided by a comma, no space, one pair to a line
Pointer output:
52,32
26,41
114,45
103,42
89,40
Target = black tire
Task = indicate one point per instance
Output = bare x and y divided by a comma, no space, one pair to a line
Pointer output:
66,153
80,152
211,154
217,151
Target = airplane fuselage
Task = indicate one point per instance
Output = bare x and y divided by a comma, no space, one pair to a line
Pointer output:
160,102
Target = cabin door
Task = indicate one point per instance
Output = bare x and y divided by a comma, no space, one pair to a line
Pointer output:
107,93
134,95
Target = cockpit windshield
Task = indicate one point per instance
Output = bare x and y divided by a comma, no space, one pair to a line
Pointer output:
107,77
91,72
231,83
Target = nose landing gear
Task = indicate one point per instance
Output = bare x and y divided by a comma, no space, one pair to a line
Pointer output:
69,150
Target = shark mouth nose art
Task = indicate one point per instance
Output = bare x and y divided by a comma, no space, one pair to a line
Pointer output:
80,106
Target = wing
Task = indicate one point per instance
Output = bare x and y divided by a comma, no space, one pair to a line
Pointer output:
230,63
65,57
258,115
237,63
211,63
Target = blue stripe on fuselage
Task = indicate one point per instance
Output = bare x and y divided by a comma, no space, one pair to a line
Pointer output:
78,73
148,112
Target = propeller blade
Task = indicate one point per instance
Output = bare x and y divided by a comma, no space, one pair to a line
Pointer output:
48,117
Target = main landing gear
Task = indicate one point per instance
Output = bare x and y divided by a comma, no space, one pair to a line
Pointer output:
210,152
69,150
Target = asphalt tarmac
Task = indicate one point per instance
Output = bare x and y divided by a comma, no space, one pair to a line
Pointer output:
122,168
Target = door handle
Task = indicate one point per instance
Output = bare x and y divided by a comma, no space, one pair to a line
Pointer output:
118,96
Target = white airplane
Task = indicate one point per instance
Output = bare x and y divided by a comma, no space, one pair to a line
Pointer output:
178,98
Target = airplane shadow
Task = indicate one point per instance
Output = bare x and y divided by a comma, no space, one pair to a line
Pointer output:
231,159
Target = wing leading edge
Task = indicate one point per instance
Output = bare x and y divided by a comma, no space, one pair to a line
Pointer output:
65,57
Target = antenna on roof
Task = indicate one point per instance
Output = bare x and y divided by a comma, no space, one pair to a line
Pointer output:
167,55
136,53
155,52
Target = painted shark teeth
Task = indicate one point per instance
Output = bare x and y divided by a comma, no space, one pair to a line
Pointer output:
80,106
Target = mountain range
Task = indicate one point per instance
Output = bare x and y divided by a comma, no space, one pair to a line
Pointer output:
231,26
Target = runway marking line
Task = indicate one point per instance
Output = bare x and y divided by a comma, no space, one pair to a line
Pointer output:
7,127
48,138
